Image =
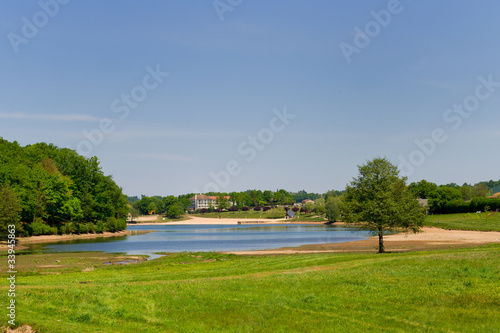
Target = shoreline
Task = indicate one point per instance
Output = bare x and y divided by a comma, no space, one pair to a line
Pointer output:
21,243
430,238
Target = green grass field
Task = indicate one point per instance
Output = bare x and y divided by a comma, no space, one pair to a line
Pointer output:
470,221
439,291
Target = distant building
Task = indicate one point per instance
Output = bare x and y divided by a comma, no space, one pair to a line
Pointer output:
200,201
496,195
306,201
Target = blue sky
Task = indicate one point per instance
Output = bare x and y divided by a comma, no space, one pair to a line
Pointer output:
228,79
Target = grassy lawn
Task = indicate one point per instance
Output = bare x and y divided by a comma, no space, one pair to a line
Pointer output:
439,291
470,221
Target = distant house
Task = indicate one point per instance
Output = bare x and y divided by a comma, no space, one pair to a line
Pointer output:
496,195
303,203
200,201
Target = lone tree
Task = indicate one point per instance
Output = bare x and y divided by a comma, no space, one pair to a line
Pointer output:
380,200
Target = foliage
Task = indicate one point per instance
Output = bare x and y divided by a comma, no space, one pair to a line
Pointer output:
275,213
56,186
174,211
303,195
332,210
380,200
422,189
10,208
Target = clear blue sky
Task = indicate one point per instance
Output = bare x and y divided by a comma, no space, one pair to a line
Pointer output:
67,67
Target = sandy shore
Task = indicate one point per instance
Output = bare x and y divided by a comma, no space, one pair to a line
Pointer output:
428,239
22,242
194,220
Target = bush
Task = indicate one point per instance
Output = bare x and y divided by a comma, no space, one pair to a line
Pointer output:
111,224
69,228
233,209
39,228
203,210
245,208
82,229
266,208
257,208
100,227
91,228
121,225
275,213
295,209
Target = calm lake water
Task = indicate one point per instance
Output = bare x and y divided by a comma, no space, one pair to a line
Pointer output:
179,238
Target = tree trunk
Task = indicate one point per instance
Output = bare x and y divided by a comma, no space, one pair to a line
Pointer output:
380,241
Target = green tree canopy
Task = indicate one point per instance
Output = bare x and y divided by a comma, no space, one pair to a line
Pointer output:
380,200
422,189
332,210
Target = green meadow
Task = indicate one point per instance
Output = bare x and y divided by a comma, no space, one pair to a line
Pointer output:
439,291
468,221
454,290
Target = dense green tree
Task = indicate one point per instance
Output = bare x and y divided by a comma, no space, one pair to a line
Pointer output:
174,212
332,210
422,189
10,208
152,207
442,196
57,186
380,200
320,206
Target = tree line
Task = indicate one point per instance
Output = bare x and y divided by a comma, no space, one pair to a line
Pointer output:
49,190
453,198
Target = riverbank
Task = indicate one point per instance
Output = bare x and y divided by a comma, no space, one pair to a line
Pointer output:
429,239
24,241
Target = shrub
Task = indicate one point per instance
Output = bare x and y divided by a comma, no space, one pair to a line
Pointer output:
257,208
233,209
266,208
39,228
203,210
295,209
91,228
275,213
99,227
70,228
245,208
121,225
111,224
82,229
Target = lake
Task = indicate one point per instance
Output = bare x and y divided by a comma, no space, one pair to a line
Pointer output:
194,238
